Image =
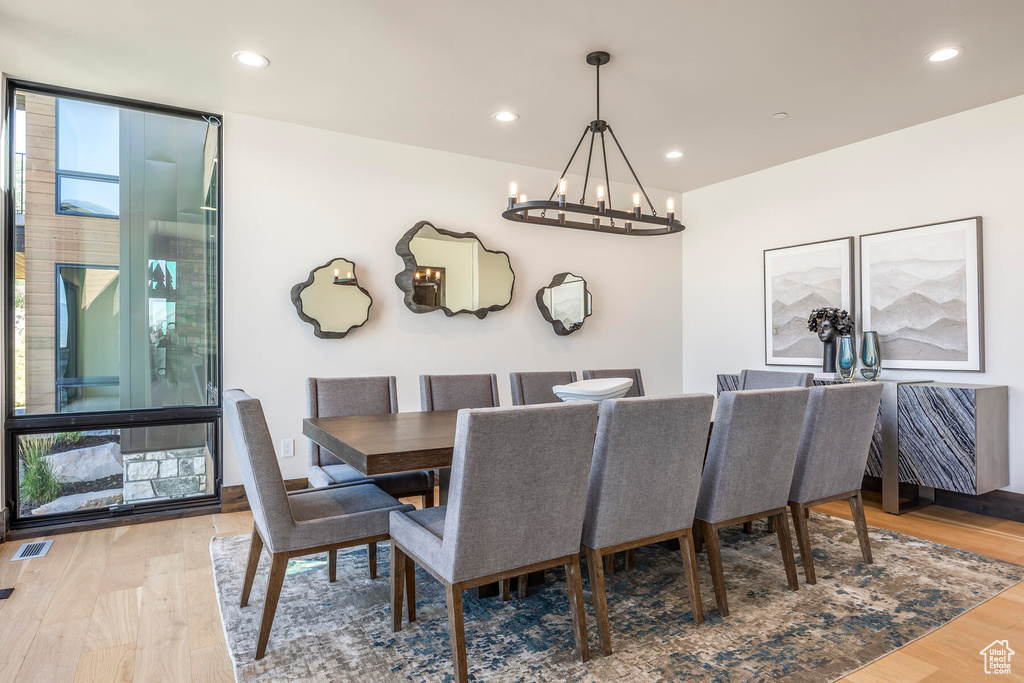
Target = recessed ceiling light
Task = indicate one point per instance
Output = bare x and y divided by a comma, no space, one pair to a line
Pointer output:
944,54
779,115
504,116
250,58
674,154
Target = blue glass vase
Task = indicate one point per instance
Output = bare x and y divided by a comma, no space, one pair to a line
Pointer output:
871,358
846,361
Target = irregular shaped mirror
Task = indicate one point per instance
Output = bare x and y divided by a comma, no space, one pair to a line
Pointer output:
453,272
565,303
331,299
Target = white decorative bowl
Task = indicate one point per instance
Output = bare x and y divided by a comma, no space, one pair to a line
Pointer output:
595,390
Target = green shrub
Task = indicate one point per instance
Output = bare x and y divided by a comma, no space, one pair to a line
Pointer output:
71,438
39,482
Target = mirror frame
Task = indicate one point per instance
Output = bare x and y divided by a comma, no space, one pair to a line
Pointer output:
297,300
404,280
560,329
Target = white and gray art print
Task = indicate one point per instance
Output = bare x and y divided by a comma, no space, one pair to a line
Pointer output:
921,291
798,280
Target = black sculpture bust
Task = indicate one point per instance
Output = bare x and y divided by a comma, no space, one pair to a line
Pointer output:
830,323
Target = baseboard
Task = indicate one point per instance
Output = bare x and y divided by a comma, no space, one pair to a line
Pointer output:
1001,504
232,498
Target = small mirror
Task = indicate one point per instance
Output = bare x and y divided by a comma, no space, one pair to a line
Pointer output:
331,299
453,272
565,303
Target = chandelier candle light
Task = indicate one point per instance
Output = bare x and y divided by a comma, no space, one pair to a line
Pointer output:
520,209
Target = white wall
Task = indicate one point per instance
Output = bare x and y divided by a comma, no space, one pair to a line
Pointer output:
964,165
294,197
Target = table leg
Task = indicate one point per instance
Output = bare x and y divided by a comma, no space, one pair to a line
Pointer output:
444,480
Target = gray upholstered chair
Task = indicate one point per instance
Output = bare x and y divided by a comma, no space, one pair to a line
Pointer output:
771,379
643,486
749,470
455,392
633,373
300,523
833,453
534,388
519,485
345,397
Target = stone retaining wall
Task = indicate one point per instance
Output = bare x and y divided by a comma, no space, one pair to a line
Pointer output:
161,475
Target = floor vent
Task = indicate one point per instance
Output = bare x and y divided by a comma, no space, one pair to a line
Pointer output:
27,551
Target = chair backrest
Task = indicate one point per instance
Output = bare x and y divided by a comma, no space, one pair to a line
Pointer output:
633,373
752,453
534,388
455,392
836,440
518,487
646,471
770,379
344,397
261,476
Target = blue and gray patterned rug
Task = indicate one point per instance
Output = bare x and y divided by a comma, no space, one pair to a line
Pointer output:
855,614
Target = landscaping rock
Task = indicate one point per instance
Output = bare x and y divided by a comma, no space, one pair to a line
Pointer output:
87,464
79,501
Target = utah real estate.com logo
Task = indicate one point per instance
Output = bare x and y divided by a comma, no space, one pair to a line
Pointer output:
997,657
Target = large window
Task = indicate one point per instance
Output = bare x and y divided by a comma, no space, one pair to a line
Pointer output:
112,311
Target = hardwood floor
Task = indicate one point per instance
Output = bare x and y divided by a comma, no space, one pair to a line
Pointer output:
137,603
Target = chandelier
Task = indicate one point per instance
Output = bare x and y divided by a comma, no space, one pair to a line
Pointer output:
585,216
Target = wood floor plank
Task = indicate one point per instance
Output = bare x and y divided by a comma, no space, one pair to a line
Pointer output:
161,651
212,665
53,564
196,533
899,666
19,620
165,538
204,626
53,656
126,564
76,593
115,620
110,665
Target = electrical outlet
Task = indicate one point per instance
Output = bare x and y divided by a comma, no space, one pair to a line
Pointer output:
287,448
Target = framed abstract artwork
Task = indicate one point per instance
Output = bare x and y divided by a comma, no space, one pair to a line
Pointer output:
921,290
797,280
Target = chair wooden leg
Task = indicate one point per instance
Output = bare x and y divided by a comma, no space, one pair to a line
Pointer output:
748,527
692,580
506,590
698,537
397,587
609,564
786,546
857,510
807,513
255,548
427,499
410,588
715,562
524,582
278,567
803,541
371,554
771,525
332,565
629,560
595,567
457,632
574,583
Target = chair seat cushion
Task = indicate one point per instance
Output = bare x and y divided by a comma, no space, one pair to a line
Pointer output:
421,532
327,475
335,515
405,483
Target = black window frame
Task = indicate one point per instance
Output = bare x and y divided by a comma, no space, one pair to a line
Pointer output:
16,425
60,174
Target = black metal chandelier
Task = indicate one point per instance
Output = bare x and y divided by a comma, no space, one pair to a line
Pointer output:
522,210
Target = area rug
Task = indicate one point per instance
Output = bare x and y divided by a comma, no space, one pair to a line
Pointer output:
855,614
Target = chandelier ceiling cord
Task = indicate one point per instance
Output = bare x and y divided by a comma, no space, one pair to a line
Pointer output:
519,208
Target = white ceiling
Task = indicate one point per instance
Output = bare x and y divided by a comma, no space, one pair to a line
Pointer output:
701,76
